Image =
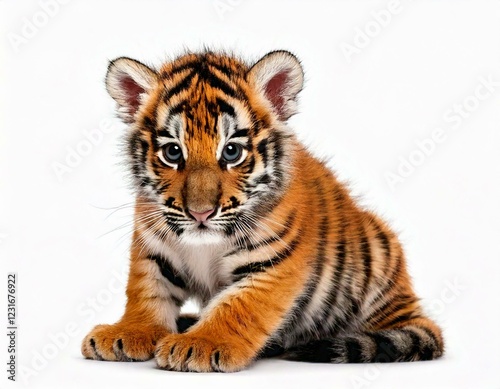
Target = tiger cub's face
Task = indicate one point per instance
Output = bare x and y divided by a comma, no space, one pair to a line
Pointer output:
208,148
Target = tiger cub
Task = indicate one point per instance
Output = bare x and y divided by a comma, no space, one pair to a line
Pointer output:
233,211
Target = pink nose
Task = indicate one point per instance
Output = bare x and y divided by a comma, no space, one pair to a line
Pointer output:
201,216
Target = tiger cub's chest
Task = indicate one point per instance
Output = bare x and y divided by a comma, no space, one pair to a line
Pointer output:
201,265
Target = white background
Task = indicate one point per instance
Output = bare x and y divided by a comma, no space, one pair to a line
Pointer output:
366,111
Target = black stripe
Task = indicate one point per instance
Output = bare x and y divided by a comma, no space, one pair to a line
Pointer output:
319,351
263,179
336,277
178,230
229,229
144,182
380,311
222,85
135,144
164,133
354,350
227,71
256,267
262,149
249,246
138,149
167,270
426,352
381,314
234,203
144,150
180,107
170,204
367,260
173,218
243,133
415,343
277,140
278,155
177,301
182,85
164,186
354,305
180,68
225,107
271,350
148,124
399,319
431,334
386,350
250,165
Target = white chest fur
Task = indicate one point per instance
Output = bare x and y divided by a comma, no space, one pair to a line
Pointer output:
199,263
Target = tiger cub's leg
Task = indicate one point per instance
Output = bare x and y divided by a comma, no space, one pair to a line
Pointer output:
153,302
236,325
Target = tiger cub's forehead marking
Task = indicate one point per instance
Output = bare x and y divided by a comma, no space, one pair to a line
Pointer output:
171,130
242,115
170,125
227,125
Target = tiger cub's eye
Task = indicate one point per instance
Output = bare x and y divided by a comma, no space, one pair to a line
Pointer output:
172,152
232,152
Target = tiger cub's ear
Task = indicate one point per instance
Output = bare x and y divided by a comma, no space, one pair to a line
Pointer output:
279,77
127,81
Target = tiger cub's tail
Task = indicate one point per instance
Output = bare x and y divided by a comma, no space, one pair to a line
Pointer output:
417,340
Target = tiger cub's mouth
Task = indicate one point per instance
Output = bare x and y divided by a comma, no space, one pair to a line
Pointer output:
201,225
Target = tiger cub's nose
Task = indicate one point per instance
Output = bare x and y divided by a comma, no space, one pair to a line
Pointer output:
201,216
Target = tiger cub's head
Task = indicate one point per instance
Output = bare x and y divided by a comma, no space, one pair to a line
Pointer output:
209,151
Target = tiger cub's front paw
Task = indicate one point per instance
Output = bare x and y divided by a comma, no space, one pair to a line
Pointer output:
122,342
187,352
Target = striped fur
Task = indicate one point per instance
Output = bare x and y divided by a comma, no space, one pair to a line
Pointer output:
286,264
